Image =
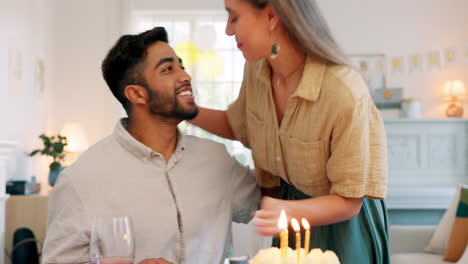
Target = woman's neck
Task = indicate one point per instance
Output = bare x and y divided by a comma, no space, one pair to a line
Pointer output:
290,57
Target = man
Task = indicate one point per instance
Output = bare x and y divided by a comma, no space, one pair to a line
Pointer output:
182,192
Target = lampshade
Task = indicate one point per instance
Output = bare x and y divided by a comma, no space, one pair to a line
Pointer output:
76,137
454,88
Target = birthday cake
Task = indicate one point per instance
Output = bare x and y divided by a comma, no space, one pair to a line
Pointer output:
286,255
316,256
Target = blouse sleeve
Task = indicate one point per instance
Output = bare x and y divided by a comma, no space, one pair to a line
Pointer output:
357,166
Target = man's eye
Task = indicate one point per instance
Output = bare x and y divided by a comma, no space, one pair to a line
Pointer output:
183,68
167,69
233,20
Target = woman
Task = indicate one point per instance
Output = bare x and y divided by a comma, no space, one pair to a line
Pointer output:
312,127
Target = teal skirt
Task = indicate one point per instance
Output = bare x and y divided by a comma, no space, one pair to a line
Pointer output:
363,239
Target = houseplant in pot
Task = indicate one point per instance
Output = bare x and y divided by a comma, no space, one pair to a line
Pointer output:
54,147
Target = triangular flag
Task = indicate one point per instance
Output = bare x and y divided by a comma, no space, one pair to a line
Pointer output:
451,55
415,62
466,54
397,65
433,60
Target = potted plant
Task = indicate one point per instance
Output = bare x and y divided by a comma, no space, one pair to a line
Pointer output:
54,147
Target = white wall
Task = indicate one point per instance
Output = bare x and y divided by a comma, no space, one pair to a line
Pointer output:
24,39
178,4
83,32
71,38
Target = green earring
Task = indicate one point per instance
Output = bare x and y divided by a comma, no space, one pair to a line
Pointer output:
274,50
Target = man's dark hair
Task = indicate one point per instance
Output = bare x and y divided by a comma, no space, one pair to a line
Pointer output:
124,63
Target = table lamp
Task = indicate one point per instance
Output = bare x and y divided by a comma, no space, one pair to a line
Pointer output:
454,89
76,139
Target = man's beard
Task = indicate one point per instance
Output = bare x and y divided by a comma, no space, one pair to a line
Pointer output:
168,106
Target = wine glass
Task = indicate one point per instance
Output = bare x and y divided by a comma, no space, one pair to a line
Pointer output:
112,240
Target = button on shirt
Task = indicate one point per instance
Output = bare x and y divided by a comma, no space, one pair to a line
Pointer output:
330,141
181,210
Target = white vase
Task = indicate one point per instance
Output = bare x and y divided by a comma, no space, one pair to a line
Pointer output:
411,109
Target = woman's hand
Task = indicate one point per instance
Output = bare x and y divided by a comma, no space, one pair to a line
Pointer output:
322,210
266,219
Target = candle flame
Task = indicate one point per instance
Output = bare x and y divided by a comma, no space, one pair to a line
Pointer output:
295,225
283,221
305,224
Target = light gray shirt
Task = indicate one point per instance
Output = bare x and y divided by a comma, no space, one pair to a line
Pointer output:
182,210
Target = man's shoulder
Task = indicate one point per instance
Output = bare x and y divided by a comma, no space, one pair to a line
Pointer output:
98,150
208,147
198,142
94,156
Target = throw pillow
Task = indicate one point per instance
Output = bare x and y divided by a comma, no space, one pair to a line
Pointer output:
439,241
459,236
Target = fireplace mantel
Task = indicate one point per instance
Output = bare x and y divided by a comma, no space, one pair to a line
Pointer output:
427,158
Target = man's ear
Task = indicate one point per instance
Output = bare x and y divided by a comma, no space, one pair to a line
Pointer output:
136,94
273,18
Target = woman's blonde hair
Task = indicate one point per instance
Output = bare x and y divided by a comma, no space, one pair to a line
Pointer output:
305,22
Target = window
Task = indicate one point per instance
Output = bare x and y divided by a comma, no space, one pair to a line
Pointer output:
210,57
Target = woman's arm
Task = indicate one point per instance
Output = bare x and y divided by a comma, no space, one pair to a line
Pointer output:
214,121
322,210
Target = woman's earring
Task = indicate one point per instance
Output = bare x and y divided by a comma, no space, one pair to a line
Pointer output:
274,50
275,47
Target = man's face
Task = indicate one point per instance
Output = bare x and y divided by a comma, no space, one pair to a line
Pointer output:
169,86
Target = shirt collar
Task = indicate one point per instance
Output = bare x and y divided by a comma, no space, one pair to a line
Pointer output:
311,81
138,149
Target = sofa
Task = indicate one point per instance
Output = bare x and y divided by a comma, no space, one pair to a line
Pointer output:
408,243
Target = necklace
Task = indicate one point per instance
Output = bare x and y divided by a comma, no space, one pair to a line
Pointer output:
290,74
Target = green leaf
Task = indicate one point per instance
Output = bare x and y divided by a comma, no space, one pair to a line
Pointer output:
57,147
34,152
54,147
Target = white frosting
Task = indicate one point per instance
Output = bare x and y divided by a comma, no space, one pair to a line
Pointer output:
316,256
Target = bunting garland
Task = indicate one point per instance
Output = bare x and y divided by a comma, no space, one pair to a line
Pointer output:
412,63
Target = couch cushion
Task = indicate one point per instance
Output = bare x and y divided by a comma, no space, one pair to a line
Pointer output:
459,237
416,258
409,239
439,241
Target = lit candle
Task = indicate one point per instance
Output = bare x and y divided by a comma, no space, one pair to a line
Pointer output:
283,225
306,226
297,228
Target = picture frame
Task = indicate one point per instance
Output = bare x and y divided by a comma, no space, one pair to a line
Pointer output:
39,77
388,98
15,70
